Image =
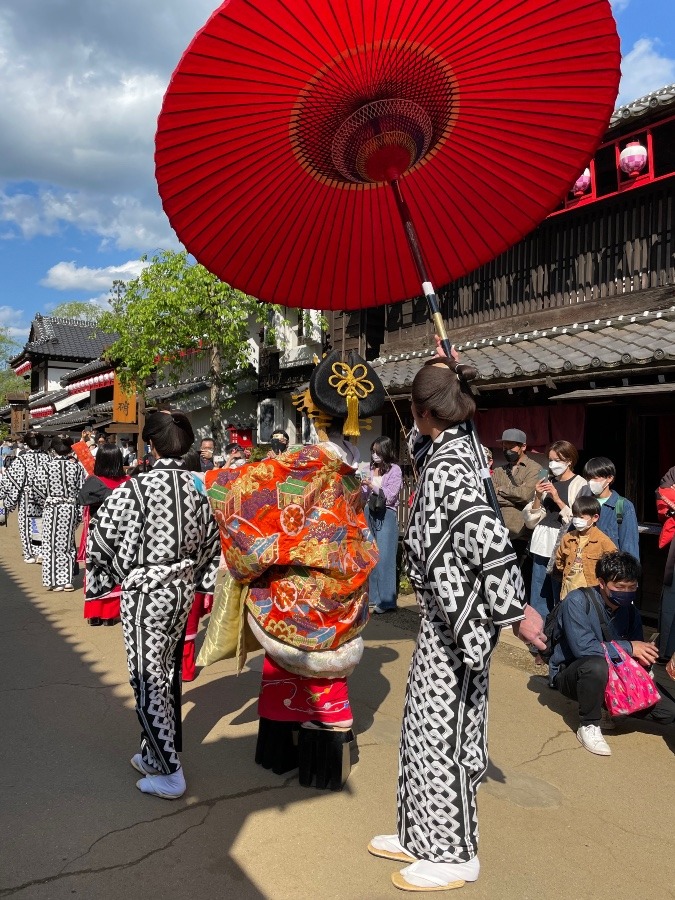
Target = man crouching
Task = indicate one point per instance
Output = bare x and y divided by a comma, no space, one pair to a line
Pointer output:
578,667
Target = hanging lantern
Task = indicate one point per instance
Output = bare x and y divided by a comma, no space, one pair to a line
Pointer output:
582,184
633,159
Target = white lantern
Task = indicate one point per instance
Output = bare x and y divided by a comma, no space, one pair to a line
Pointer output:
633,159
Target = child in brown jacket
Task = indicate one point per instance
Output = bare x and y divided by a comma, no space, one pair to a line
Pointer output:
582,546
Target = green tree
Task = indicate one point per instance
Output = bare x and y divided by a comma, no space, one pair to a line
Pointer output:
175,306
9,382
77,309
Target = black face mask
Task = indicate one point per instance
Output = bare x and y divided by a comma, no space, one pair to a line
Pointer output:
622,598
277,445
512,456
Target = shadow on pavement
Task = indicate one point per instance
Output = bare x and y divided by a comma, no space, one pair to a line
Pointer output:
568,711
72,819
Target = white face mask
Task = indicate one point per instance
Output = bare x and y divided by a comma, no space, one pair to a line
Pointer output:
557,468
597,487
581,524
376,458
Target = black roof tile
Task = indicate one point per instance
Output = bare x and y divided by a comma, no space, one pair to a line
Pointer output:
64,339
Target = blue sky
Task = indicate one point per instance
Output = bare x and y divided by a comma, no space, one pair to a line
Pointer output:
81,84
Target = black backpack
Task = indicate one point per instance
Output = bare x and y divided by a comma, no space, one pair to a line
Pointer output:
553,629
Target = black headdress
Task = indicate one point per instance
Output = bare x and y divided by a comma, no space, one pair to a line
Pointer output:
346,387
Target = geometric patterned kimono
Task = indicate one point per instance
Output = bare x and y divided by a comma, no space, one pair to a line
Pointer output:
57,485
16,486
155,536
468,586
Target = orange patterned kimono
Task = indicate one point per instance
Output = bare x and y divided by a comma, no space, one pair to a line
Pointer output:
292,528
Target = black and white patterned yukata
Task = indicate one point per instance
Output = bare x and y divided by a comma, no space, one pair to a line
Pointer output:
16,487
155,536
57,485
468,586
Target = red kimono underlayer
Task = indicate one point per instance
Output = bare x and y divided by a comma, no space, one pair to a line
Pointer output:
285,697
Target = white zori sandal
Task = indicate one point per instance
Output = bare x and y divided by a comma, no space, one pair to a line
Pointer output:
388,846
424,877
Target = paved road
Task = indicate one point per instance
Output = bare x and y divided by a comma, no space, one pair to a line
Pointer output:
556,821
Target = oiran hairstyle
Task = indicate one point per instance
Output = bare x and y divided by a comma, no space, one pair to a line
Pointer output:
443,390
170,432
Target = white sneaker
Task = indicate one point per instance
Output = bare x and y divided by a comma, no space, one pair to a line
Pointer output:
30,561
590,737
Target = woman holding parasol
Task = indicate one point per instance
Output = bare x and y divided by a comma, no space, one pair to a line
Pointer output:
469,587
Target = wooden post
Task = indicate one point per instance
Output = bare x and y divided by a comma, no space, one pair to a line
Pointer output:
140,443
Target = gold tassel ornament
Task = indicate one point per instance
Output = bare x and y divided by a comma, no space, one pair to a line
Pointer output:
353,385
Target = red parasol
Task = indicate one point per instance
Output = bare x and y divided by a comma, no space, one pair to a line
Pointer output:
286,121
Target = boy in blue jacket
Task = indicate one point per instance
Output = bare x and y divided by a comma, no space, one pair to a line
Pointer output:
578,668
617,514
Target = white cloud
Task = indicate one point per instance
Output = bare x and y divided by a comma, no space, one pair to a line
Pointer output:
67,276
81,86
13,320
121,220
644,70
619,5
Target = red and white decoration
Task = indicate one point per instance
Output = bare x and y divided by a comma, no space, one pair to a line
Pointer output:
40,412
582,184
633,159
92,384
24,368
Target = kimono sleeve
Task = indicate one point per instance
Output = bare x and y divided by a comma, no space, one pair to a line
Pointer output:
40,484
114,540
470,564
12,483
209,557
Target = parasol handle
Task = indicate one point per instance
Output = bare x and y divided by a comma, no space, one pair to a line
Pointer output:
439,325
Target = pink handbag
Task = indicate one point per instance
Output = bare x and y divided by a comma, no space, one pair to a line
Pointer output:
630,687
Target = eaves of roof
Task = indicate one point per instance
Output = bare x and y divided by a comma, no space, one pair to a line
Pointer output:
95,367
631,113
628,342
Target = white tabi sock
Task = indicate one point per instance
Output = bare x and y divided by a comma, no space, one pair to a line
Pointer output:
169,787
432,874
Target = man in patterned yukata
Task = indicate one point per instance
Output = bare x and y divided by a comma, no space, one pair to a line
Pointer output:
294,534
468,585
155,536
16,487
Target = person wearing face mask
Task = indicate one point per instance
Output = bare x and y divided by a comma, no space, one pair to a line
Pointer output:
582,546
618,519
549,515
578,668
514,484
278,443
382,486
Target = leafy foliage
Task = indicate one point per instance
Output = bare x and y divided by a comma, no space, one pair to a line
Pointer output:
9,382
76,309
174,307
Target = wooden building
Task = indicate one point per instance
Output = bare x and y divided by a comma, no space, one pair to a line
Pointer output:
573,329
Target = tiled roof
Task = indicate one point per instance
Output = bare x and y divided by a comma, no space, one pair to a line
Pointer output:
64,338
642,106
102,412
47,398
91,368
600,346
